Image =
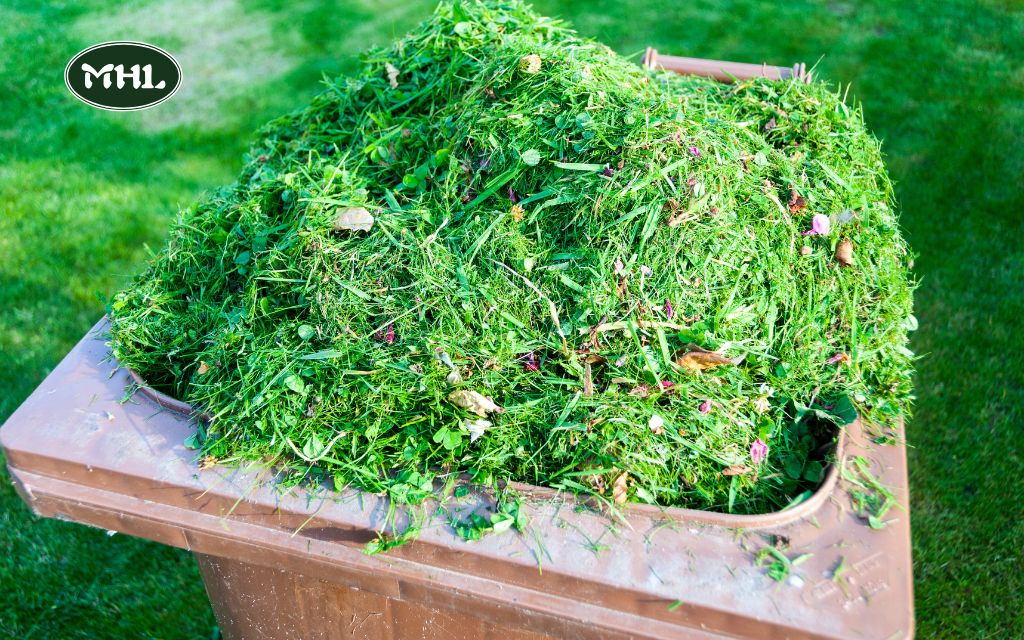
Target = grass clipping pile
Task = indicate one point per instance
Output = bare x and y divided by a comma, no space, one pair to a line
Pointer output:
506,251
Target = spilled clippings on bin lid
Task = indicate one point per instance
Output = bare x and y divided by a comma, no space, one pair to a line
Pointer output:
506,251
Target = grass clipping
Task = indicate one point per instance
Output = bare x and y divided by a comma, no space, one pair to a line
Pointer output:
507,251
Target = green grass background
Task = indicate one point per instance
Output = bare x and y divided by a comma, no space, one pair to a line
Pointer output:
82,192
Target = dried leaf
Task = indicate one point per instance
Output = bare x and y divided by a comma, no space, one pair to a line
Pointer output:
844,252
698,359
641,391
203,368
620,488
797,202
736,470
679,218
677,213
530,64
353,219
596,481
392,75
453,378
475,402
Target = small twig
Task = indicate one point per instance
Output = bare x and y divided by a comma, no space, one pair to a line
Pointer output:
624,326
551,305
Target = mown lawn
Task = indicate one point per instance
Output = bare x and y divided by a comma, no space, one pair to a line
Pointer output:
83,192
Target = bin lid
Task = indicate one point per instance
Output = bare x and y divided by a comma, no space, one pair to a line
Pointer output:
82,447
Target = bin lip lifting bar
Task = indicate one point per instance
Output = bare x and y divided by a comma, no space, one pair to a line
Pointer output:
721,70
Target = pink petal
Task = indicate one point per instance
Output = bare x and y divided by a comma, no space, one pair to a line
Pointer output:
758,451
529,361
705,407
386,334
821,225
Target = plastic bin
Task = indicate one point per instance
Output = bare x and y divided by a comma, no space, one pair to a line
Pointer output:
289,563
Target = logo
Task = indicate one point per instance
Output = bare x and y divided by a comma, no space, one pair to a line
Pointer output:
123,76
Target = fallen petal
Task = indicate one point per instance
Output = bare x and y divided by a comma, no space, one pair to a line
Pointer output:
820,224
838,358
656,424
475,427
758,451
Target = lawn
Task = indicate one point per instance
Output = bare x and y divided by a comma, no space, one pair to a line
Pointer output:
83,193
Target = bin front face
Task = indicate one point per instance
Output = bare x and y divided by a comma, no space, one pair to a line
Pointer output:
76,451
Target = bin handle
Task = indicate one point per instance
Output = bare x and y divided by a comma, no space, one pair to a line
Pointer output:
723,71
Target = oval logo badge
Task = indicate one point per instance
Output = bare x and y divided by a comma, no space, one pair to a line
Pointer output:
123,76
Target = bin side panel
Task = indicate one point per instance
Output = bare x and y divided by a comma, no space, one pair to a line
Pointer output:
251,601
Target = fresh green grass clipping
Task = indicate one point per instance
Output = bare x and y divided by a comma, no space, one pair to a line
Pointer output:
557,238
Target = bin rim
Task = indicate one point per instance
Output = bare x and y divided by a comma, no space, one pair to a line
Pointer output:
788,515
